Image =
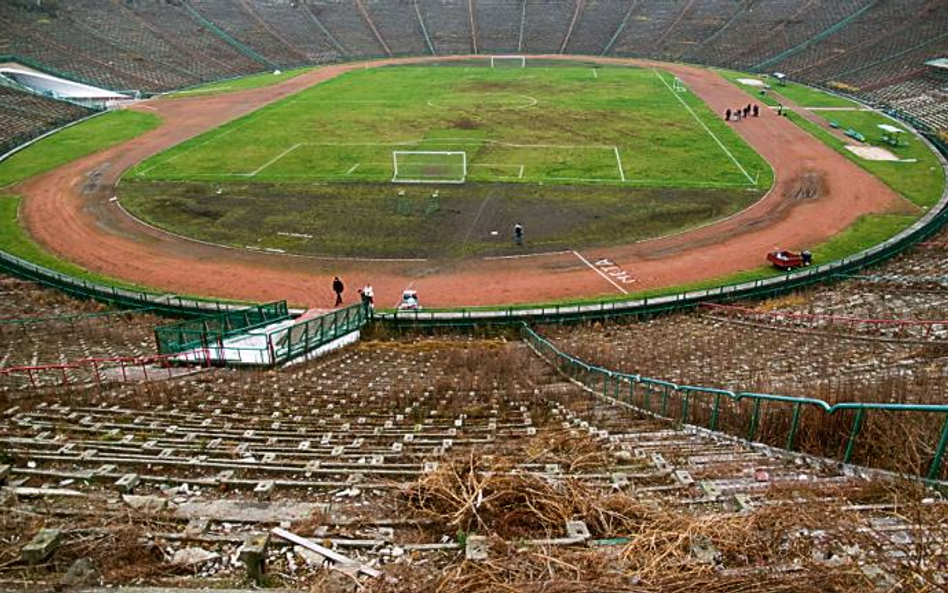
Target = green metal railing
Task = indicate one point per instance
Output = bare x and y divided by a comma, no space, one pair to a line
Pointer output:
307,335
226,38
211,330
262,336
704,406
166,304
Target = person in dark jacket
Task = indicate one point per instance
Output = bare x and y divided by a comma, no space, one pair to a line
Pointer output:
338,287
756,110
727,114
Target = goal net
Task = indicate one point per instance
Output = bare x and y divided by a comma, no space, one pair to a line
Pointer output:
414,166
508,61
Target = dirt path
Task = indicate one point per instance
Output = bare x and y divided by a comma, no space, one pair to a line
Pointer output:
818,193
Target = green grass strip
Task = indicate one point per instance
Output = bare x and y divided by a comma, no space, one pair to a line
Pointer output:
922,182
15,241
254,81
76,142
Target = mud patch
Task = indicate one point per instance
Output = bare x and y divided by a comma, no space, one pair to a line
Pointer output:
810,185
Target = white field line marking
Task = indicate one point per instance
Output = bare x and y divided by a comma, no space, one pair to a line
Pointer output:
275,159
527,255
680,183
253,117
520,176
499,165
595,73
352,170
619,161
208,90
706,128
600,272
480,211
462,142
180,154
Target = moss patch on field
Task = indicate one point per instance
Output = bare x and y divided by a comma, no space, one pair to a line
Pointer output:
439,222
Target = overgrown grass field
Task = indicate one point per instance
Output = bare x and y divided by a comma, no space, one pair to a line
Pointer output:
621,126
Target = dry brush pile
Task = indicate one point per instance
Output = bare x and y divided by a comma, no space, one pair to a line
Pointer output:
802,541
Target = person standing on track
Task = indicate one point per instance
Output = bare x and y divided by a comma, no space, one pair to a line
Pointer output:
727,114
338,287
518,234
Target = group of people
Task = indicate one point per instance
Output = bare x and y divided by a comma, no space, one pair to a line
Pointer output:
742,112
366,293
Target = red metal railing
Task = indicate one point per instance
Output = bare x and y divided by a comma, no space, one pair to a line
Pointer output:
98,365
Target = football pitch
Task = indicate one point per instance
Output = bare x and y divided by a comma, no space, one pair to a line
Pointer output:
567,125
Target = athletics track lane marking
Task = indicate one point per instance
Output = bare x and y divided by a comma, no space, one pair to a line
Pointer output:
600,272
706,128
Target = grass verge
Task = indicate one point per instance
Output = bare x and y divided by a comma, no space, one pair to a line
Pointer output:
15,241
922,181
254,81
76,142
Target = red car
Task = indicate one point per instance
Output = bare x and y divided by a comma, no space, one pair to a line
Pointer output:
788,260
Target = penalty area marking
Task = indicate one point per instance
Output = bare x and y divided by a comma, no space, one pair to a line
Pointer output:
619,161
706,128
600,272
274,159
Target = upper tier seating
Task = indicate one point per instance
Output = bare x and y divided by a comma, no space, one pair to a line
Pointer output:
158,45
24,116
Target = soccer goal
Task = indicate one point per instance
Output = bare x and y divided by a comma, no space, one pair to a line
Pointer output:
508,61
415,166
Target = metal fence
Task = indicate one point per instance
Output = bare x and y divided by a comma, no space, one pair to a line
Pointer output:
307,335
168,304
212,330
743,414
263,336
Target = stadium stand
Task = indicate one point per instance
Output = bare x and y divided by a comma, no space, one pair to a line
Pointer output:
448,23
24,116
360,451
242,22
546,25
498,24
138,465
39,327
397,23
349,26
297,28
876,50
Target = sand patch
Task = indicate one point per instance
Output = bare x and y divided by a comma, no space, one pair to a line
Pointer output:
872,153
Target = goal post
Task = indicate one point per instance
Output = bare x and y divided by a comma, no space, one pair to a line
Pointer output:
429,166
510,61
